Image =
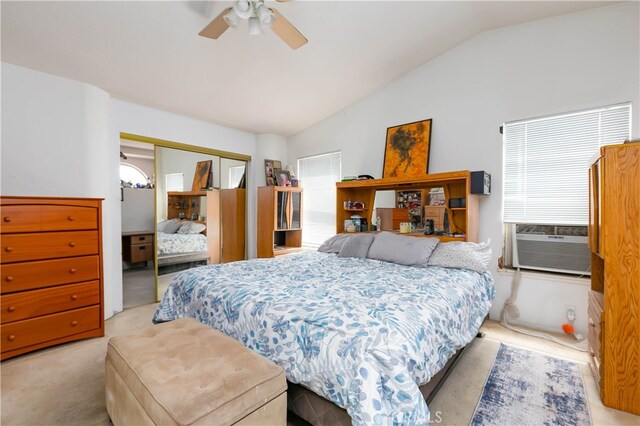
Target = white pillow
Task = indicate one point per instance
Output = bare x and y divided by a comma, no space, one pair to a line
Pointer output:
458,254
169,226
401,249
189,227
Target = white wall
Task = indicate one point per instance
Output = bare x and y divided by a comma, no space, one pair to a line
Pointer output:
554,65
55,142
137,210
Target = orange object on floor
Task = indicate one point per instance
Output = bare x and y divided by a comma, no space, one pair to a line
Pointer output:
568,328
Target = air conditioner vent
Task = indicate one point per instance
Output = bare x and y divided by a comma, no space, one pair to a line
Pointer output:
540,247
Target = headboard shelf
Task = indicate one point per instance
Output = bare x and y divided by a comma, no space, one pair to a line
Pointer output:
457,184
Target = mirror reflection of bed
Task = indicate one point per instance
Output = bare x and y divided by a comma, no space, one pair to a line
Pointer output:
193,230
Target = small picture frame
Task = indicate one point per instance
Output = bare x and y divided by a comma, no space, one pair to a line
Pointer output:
270,166
283,177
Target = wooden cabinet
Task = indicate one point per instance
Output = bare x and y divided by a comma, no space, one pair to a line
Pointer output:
137,246
614,300
391,218
463,221
223,212
51,278
279,220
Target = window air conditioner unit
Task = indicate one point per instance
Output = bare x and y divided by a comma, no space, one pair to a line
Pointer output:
551,248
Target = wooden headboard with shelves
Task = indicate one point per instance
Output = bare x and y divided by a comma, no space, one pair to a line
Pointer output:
462,220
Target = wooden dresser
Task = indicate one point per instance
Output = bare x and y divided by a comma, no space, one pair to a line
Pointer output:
51,279
614,299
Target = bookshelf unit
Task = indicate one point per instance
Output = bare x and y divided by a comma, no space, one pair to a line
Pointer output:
279,220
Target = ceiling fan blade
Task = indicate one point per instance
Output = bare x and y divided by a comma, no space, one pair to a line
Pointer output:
216,27
287,32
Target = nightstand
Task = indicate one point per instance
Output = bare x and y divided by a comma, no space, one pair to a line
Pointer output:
137,246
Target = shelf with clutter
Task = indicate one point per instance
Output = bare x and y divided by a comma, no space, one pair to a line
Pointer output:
445,198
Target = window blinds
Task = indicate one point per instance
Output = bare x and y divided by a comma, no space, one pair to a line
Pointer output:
319,175
546,163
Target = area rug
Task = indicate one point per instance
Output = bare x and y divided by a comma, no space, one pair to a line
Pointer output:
528,388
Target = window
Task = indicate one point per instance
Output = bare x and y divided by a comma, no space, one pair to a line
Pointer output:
546,163
132,174
174,182
319,175
235,174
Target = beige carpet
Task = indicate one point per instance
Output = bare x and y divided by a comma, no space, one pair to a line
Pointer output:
65,385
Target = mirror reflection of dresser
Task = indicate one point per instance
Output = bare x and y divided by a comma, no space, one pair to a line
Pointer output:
435,213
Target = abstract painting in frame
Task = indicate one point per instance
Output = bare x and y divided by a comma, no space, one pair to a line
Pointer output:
406,152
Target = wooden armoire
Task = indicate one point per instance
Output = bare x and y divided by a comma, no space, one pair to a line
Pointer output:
614,299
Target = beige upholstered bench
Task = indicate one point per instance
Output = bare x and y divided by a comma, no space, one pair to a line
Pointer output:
184,373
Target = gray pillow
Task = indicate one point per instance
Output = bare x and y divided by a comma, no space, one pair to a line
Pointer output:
169,226
457,254
401,249
334,244
188,227
356,246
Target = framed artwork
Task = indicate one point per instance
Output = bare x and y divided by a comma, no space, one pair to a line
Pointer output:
406,152
270,166
201,177
283,177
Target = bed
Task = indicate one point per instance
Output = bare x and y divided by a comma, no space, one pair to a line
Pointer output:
361,333
181,243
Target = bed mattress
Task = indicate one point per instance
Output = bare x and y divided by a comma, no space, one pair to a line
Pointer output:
181,243
362,333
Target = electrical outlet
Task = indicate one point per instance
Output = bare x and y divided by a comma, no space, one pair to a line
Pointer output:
571,312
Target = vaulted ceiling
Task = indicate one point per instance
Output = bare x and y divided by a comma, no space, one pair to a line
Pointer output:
150,52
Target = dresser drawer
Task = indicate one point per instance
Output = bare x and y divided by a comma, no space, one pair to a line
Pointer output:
29,304
50,245
141,253
141,239
35,218
47,273
28,332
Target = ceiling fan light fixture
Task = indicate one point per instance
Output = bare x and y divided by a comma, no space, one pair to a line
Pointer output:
264,14
240,10
232,19
254,26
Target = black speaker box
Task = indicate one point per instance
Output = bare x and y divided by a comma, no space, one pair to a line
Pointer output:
480,183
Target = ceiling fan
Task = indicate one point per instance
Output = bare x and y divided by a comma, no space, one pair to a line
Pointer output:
258,14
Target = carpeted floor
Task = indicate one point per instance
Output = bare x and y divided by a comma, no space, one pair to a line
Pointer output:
65,385
138,286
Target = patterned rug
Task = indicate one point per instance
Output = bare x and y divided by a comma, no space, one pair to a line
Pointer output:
528,388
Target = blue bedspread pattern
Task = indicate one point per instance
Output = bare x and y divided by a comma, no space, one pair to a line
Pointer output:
360,332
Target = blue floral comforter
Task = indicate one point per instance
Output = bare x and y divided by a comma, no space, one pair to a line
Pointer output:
362,333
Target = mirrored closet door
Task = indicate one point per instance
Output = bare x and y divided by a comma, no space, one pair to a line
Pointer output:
200,211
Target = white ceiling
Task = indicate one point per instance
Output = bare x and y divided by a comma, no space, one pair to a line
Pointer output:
149,52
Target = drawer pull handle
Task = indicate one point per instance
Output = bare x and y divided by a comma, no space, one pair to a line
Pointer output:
11,308
591,322
74,297
7,219
70,218
143,238
142,248
72,244
11,337
74,323
73,270
8,249
9,278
